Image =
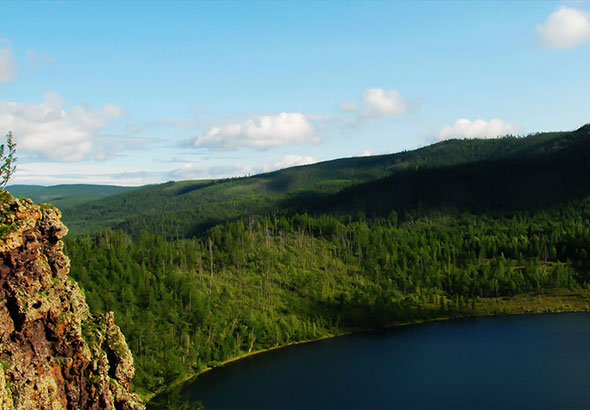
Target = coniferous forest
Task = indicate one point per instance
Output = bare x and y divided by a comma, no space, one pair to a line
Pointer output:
252,284
185,185
486,227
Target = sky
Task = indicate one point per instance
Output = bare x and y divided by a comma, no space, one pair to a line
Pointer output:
132,93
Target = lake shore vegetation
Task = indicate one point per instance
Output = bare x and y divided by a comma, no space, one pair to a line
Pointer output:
256,283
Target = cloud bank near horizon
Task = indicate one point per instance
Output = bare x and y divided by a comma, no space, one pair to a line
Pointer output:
465,128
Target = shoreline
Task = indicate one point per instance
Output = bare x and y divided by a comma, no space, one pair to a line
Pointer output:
553,303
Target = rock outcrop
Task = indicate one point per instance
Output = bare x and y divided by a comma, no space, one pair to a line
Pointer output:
53,353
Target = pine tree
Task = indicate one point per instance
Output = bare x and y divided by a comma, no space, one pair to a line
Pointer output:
7,160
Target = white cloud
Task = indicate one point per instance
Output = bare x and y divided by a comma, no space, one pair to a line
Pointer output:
52,131
289,160
379,102
565,28
260,133
8,65
365,153
464,128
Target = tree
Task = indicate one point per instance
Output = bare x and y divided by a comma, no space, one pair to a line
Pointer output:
7,160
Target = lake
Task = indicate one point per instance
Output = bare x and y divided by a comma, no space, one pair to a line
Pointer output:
527,361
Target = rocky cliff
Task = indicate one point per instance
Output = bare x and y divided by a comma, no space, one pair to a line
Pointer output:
53,353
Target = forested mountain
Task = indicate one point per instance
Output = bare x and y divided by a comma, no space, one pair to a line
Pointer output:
187,208
198,272
552,173
188,304
456,228
66,195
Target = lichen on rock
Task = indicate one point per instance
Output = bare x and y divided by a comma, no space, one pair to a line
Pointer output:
53,353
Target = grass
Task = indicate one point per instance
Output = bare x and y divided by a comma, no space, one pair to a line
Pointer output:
555,300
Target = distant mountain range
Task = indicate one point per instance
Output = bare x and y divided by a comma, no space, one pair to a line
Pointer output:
64,196
502,174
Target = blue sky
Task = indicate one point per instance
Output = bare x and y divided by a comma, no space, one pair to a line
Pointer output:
131,93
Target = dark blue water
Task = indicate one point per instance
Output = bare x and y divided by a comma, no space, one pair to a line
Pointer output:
531,361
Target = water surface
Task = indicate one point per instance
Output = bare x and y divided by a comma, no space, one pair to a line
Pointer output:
529,361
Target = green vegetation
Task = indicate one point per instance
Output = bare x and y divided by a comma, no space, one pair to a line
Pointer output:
554,173
7,160
200,272
188,208
64,196
7,220
251,284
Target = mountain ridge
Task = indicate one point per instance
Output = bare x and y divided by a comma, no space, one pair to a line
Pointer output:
189,208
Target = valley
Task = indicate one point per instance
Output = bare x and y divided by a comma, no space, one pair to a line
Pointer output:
382,246
299,205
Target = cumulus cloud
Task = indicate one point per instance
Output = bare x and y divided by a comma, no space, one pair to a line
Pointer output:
377,102
52,131
565,28
289,160
260,133
464,128
8,65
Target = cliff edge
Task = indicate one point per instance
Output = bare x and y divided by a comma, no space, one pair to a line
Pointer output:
53,353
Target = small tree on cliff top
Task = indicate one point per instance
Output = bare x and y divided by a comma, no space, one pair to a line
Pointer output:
7,160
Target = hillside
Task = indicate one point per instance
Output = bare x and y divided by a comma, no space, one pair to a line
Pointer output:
552,173
188,208
67,195
482,226
186,305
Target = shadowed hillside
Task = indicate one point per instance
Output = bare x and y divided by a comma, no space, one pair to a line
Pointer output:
188,208
553,173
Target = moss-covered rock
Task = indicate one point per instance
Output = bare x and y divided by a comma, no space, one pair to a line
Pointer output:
54,354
